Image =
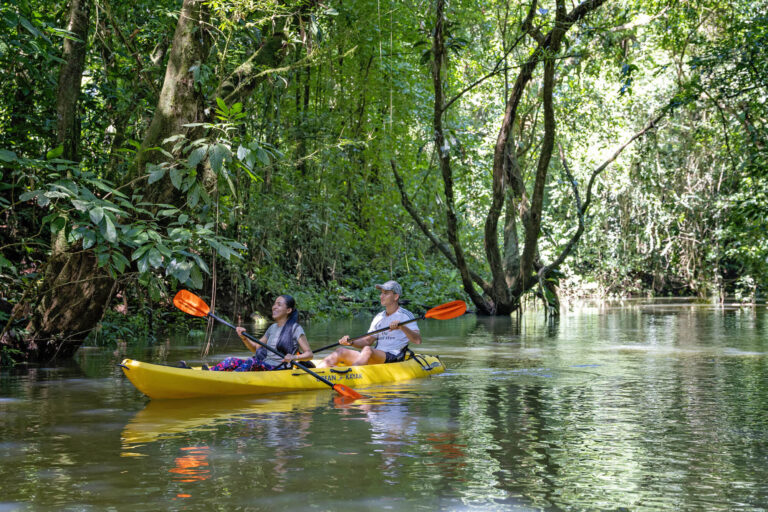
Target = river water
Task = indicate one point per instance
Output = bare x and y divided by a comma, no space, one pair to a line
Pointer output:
628,406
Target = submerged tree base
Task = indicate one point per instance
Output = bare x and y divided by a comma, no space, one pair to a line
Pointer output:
76,295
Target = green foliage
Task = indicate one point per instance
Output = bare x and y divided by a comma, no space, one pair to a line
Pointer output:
9,356
142,326
426,281
119,328
123,230
288,189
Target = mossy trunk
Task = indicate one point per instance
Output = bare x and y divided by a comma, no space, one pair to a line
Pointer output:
75,295
180,102
70,76
74,291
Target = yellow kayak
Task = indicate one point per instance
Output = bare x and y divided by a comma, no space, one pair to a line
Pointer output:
160,382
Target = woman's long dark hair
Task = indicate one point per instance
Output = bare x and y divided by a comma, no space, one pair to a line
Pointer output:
286,344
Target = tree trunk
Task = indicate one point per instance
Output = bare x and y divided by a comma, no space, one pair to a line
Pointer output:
73,299
180,102
513,275
68,93
70,76
74,291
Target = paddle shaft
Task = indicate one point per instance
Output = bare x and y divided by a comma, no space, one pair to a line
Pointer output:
274,351
422,317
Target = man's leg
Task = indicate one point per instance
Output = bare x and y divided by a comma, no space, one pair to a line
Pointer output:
339,356
370,356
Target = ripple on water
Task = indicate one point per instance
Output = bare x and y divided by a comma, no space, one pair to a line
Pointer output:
566,376
11,452
735,352
99,412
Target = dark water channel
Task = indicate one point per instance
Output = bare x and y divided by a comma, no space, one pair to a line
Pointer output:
635,406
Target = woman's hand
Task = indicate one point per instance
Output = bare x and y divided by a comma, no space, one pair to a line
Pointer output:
240,331
288,358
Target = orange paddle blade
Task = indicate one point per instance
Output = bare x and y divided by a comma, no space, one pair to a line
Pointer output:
447,311
347,392
190,303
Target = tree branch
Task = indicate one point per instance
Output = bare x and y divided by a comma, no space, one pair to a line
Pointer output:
581,210
444,158
641,20
241,82
442,246
496,70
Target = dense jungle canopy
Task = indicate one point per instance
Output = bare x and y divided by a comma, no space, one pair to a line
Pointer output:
490,150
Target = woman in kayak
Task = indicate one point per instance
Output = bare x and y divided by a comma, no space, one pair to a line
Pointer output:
285,335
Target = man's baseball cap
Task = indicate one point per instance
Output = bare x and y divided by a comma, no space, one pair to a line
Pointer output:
391,285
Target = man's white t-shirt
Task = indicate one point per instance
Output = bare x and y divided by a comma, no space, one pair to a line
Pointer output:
392,341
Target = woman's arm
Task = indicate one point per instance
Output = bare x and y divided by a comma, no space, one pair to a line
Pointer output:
253,347
306,351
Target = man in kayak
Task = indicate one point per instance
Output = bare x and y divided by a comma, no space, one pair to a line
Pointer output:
390,345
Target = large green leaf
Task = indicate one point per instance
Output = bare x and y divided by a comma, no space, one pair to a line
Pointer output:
155,258
175,178
109,232
196,156
119,262
7,156
156,173
217,155
195,278
138,253
96,214
55,153
89,239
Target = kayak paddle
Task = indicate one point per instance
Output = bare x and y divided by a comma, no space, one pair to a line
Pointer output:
191,304
445,311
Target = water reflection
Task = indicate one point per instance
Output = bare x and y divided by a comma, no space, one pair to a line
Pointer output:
192,466
449,454
165,419
391,428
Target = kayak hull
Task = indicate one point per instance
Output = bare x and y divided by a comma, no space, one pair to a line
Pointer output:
166,382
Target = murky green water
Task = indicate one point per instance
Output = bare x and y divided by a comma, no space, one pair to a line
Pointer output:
640,406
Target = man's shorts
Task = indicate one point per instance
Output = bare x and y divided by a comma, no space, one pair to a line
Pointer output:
395,358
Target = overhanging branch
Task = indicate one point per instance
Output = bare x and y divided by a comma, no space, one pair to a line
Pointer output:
581,210
442,246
